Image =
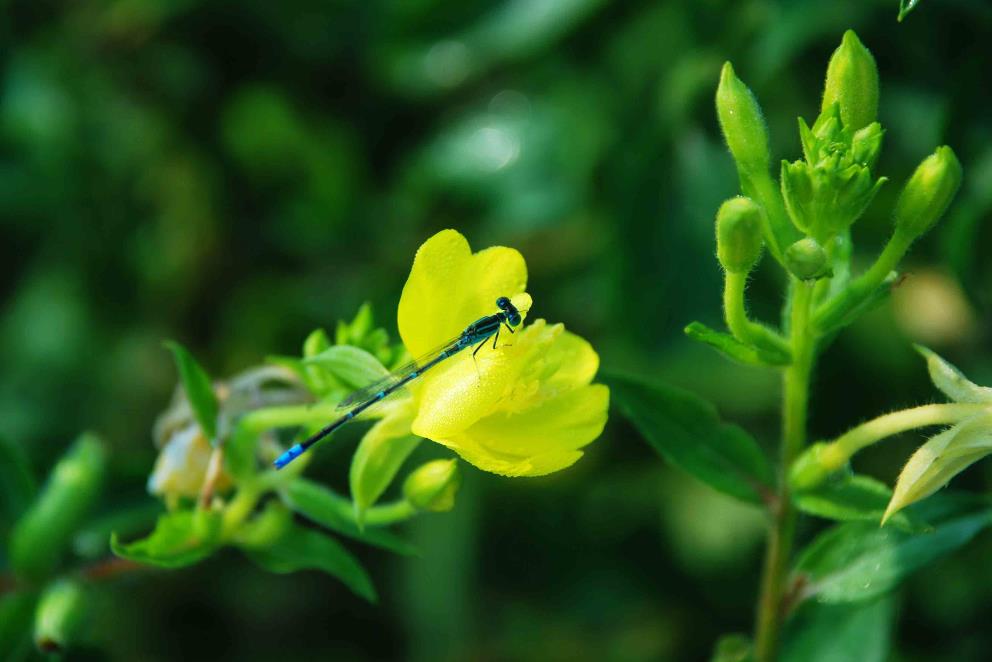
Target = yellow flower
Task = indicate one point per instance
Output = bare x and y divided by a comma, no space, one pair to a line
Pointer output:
523,409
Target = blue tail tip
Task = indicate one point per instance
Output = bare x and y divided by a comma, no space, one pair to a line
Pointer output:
294,452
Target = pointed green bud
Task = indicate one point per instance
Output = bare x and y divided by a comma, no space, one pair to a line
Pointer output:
742,122
852,82
59,616
928,192
738,234
433,485
806,259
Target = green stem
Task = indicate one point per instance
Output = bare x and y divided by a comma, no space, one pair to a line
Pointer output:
779,231
740,326
389,513
835,455
794,408
287,416
833,311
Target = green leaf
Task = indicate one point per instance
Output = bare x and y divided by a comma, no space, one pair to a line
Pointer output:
266,527
942,457
315,343
850,498
41,535
378,458
303,549
322,506
687,432
17,484
859,561
732,348
353,366
93,539
838,633
180,538
199,390
16,611
733,648
951,382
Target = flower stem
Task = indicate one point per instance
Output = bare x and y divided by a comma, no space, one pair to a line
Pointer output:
833,311
836,454
740,326
794,408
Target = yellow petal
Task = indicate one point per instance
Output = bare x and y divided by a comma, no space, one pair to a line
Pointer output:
449,287
466,388
541,440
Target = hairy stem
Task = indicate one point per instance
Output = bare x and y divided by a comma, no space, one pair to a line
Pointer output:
740,326
836,454
833,311
794,408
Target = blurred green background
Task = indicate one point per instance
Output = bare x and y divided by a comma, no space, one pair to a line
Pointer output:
234,174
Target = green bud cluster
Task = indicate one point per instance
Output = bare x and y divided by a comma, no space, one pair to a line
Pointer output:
829,190
738,234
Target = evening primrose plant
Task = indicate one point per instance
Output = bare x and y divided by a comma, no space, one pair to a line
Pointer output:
803,222
525,407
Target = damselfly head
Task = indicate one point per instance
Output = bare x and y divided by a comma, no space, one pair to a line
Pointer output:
513,317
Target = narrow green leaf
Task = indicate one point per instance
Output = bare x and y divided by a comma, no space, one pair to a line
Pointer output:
352,366
686,431
838,633
199,390
906,6
93,539
17,484
303,549
180,538
858,561
322,506
315,343
951,382
378,458
40,537
850,498
732,348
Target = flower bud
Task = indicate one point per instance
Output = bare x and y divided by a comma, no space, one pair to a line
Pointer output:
806,259
738,234
852,82
928,192
742,122
40,537
433,485
59,615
